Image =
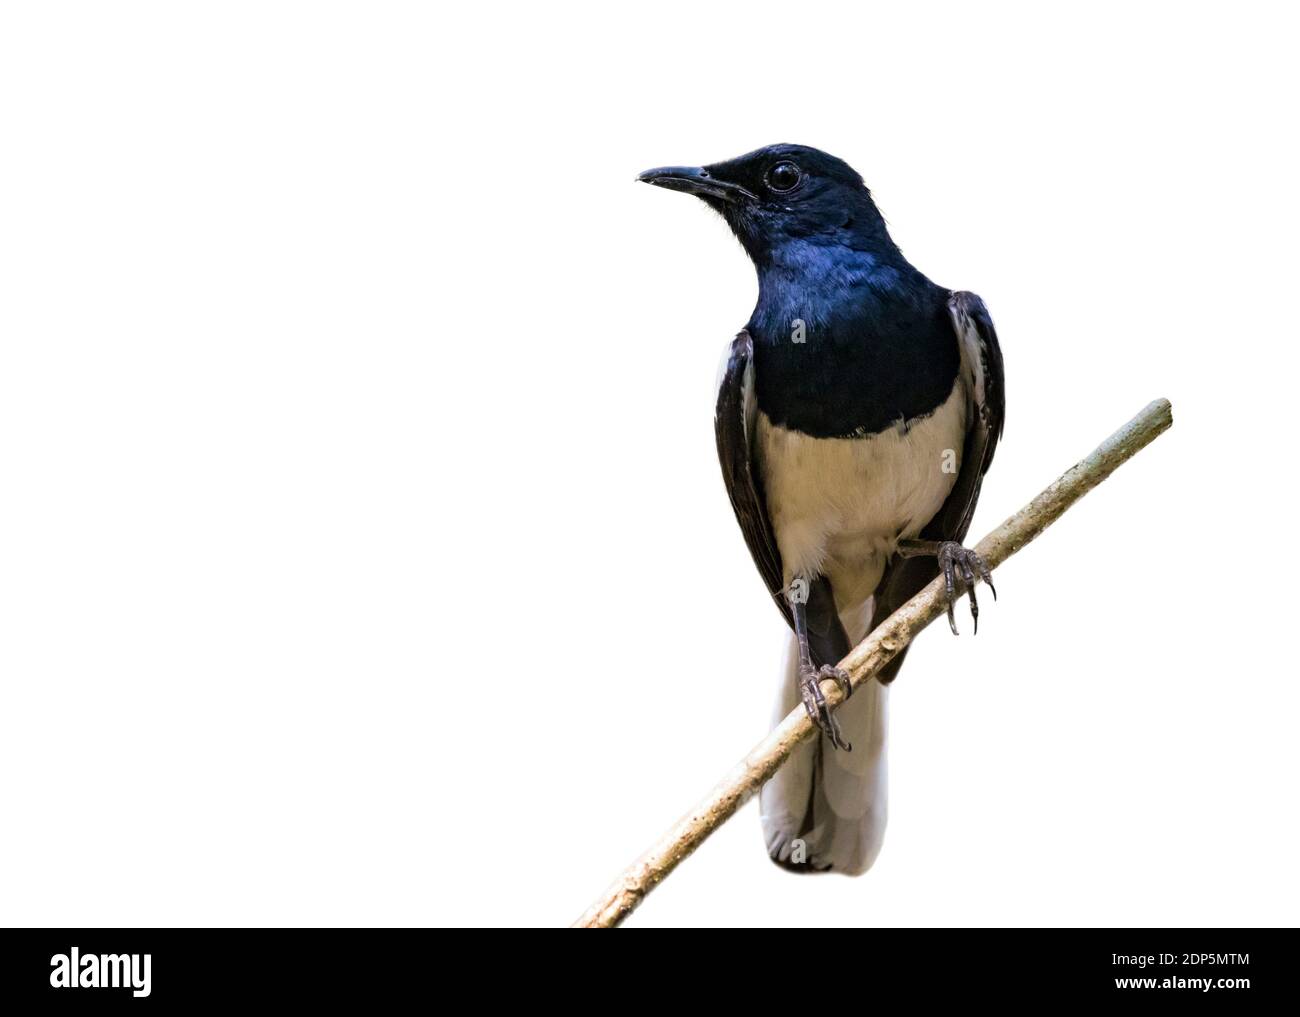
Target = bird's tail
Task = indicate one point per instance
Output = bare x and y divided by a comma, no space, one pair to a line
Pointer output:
825,809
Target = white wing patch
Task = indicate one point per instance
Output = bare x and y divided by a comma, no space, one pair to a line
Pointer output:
973,368
750,409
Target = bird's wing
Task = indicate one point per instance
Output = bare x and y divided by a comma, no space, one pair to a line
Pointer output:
734,422
981,374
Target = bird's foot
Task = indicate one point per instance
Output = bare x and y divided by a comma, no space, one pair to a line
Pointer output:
956,560
814,700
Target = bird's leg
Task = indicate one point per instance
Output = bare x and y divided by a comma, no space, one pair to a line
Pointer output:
810,676
952,558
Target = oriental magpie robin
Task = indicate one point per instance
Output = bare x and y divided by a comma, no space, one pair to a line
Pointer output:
856,416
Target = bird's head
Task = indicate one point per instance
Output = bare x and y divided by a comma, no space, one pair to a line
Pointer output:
782,197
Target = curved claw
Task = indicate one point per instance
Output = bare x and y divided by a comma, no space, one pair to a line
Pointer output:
836,735
814,702
969,576
985,574
953,556
946,564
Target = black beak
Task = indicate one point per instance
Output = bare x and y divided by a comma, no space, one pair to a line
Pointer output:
694,180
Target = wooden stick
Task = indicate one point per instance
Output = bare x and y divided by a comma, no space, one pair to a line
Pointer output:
863,663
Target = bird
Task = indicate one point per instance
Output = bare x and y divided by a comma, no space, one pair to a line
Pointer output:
857,414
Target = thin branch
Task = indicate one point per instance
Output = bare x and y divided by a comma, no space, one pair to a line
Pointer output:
863,663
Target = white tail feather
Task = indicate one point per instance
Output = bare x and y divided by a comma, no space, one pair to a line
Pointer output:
826,809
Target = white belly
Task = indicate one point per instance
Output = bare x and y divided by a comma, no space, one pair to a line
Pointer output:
839,506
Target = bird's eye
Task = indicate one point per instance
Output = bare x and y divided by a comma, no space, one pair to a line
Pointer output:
783,177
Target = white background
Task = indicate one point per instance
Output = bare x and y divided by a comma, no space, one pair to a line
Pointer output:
363,553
